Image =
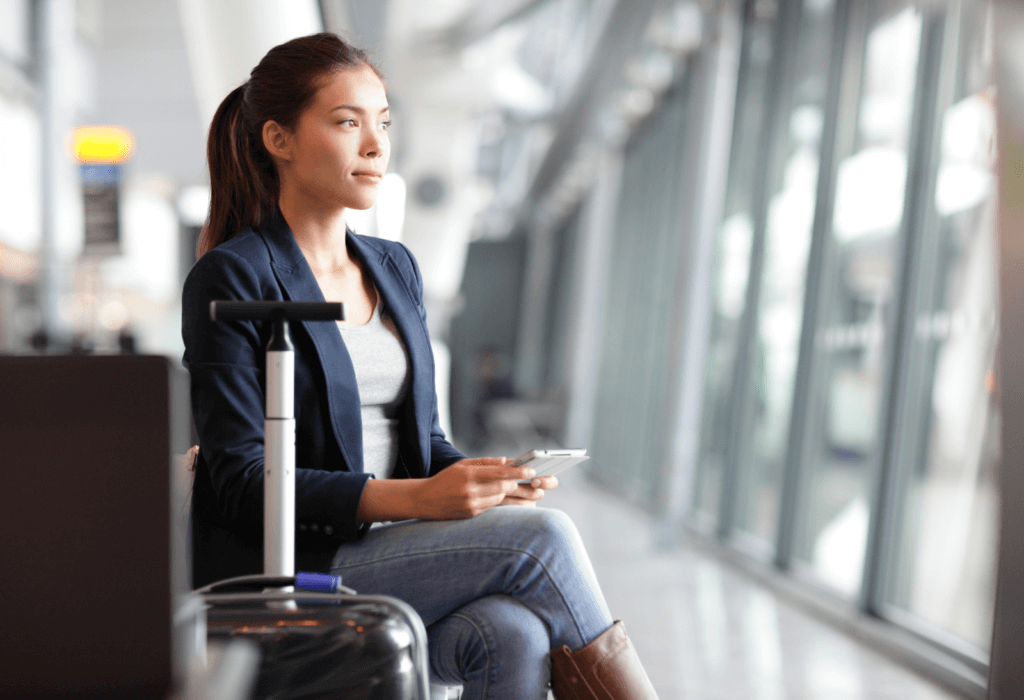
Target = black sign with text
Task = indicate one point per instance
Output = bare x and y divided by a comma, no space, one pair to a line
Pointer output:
100,191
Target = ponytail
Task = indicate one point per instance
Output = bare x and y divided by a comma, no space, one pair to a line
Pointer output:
243,183
244,186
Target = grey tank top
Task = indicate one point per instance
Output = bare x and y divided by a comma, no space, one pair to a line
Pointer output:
382,376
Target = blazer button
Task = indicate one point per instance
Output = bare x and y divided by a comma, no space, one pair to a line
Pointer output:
314,527
328,530
302,527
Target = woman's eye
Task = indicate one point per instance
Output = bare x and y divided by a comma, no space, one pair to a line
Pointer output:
347,122
386,125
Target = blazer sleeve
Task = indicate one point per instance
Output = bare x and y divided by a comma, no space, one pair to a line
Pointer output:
442,452
225,363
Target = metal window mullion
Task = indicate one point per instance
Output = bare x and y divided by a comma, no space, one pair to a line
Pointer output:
740,396
778,142
909,450
838,128
703,203
739,118
630,369
886,489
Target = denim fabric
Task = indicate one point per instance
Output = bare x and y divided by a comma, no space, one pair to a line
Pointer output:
472,580
494,648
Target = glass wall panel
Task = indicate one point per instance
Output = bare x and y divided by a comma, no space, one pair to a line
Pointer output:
792,185
944,568
859,303
732,257
631,419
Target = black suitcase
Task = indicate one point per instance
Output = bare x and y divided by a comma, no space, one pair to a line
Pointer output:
322,645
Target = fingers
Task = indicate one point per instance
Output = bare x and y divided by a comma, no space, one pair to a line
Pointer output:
526,492
483,483
484,461
495,469
512,501
511,471
483,504
503,472
548,483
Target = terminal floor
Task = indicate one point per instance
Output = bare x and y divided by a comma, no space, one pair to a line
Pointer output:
706,631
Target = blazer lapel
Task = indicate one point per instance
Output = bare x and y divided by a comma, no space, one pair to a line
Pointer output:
299,284
403,307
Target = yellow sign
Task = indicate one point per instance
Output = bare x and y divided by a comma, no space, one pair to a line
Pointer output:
103,144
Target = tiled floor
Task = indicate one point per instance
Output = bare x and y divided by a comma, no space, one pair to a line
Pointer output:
707,632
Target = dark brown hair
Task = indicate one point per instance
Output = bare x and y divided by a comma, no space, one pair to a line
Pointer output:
243,180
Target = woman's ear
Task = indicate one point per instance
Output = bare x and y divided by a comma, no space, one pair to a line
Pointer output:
277,140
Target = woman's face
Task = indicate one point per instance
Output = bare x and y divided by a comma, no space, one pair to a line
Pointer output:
339,149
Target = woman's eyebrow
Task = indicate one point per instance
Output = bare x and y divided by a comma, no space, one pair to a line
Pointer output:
359,110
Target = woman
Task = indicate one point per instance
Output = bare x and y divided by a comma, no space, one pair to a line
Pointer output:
304,139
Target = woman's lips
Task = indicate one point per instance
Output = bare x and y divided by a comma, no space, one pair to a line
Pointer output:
372,176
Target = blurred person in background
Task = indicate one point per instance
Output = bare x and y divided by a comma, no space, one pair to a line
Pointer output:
382,498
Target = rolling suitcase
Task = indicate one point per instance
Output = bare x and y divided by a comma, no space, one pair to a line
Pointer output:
323,640
320,645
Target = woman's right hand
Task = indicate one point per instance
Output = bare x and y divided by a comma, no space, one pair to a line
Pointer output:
468,488
464,489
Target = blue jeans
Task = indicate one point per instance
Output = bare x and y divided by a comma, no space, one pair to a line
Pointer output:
497,592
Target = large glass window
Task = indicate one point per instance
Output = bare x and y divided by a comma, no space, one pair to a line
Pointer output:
860,302
792,186
890,243
944,566
732,261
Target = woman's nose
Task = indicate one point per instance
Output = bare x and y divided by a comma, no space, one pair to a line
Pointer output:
374,143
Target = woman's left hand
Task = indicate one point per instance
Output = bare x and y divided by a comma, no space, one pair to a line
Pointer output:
529,494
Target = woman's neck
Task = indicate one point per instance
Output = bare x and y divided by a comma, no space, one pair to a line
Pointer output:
319,232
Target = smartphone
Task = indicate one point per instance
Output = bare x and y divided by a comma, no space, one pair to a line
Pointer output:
550,462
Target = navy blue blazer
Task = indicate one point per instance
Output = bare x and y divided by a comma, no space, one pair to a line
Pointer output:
226,363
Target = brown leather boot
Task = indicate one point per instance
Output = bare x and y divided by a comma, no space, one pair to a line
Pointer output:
606,669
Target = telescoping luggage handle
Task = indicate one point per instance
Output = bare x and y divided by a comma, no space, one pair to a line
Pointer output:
279,423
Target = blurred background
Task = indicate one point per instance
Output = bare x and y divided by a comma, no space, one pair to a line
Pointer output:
744,251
